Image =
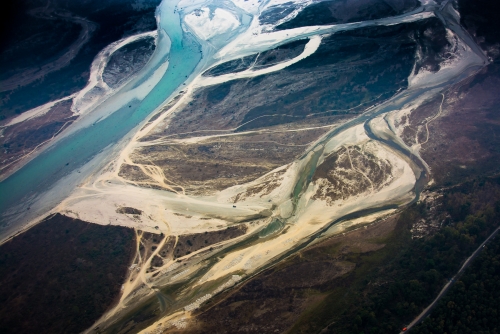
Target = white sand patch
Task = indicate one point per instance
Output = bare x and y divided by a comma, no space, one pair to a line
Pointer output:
206,24
398,120
162,211
170,268
97,90
398,191
271,3
297,7
231,282
234,261
280,194
179,275
250,262
253,40
382,129
179,324
257,6
349,224
309,49
312,215
351,136
463,57
185,224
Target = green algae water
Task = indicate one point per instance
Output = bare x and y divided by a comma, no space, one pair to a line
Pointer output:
275,226
72,152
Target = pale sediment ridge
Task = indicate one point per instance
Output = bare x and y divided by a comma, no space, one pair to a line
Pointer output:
282,211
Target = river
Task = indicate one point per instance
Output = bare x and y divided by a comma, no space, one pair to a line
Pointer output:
60,167
64,165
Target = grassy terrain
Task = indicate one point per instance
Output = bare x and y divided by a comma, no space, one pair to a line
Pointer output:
34,42
334,12
391,286
61,275
348,289
372,280
472,304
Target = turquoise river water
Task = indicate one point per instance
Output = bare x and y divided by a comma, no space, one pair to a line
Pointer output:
74,151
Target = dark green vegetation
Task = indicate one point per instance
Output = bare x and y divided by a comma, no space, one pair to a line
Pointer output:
32,42
463,142
275,13
61,275
369,281
350,71
480,17
472,304
345,11
390,286
391,295
127,61
351,68
260,60
274,300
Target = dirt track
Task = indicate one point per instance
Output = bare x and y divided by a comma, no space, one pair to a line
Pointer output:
445,289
